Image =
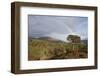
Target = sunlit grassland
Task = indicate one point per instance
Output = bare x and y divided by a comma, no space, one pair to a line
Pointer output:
45,50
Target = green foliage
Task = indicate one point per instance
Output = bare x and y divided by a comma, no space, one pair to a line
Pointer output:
74,38
45,50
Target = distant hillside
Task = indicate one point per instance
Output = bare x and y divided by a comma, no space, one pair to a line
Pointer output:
84,41
48,39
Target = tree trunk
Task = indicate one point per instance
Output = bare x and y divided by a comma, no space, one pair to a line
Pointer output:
73,46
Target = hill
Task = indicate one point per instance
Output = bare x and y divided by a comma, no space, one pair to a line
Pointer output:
49,39
84,41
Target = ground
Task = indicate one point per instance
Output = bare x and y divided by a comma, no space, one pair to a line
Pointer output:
47,50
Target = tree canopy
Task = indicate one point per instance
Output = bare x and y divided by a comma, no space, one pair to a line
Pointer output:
74,38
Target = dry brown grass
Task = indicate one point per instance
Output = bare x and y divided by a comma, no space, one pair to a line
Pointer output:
46,50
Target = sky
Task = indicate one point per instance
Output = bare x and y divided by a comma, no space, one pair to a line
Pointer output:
58,27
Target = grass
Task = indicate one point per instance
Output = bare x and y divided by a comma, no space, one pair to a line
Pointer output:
46,50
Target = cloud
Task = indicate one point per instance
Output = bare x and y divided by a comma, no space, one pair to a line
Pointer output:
63,25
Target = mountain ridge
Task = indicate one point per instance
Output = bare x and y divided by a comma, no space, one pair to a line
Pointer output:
56,40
